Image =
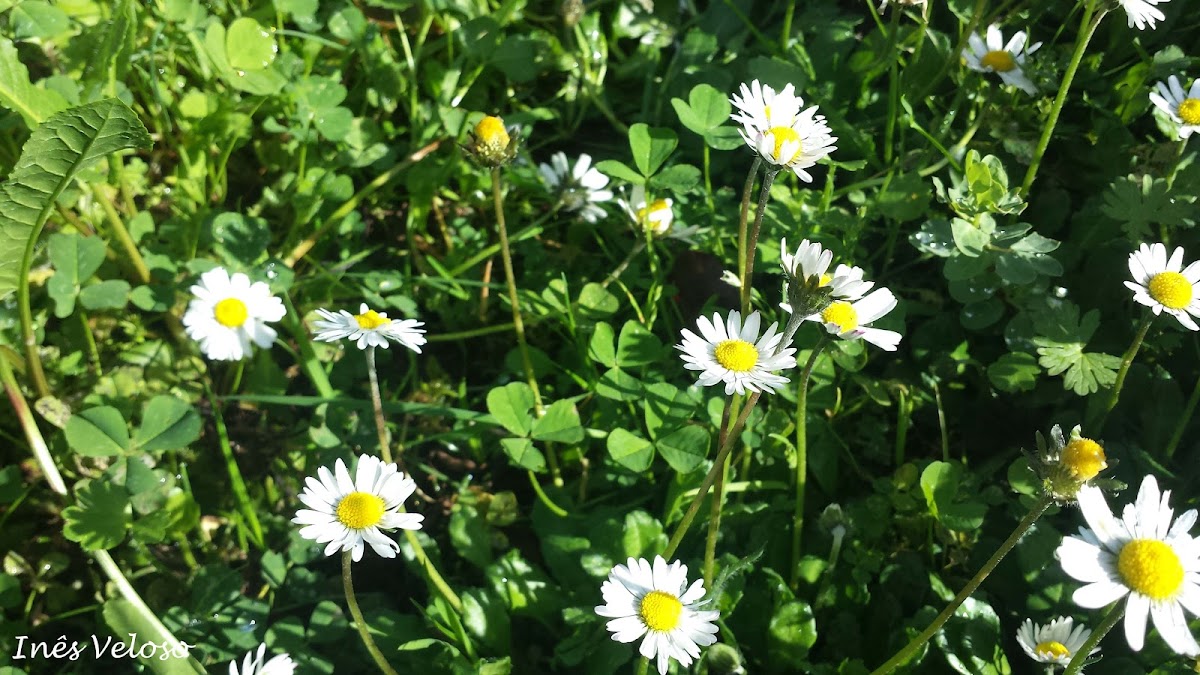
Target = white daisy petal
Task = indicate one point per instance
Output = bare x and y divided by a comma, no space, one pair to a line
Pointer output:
1004,59
1162,283
730,351
252,664
229,313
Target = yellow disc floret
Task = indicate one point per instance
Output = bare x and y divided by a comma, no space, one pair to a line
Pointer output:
1189,110
1084,458
1052,650
370,320
1172,289
736,355
491,132
660,611
656,215
785,136
230,312
842,314
1151,567
359,510
999,61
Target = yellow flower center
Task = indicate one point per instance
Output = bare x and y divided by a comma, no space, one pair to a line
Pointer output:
842,314
370,320
230,312
1053,650
651,210
491,132
1084,458
999,61
359,510
824,280
785,136
1151,567
660,611
1172,289
1189,110
736,355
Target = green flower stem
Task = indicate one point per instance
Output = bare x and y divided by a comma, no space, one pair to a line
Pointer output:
360,623
431,572
744,216
620,269
714,520
643,666
1087,28
545,499
711,477
785,35
764,195
245,504
901,657
33,360
1126,362
1115,612
385,447
1181,424
474,332
121,233
802,456
90,339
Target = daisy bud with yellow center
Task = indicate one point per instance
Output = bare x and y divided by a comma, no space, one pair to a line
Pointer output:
993,55
492,144
1066,464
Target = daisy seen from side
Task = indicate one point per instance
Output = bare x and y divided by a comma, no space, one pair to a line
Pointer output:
779,130
1182,106
280,664
1163,284
993,55
368,329
732,352
1142,13
654,600
579,187
654,216
228,314
1145,556
1054,643
347,513
852,319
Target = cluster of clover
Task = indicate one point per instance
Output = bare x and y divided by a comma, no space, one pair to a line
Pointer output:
1145,556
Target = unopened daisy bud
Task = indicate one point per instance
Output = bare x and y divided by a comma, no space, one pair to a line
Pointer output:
806,281
835,520
1084,458
1067,465
723,659
491,143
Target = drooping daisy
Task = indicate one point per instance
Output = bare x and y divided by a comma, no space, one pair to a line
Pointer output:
346,514
654,217
1142,13
368,328
579,188
228,313
656,601
1054,643
779,131
851,320
729,352
281,664
1006,60
1182,107
1142,555
1163,284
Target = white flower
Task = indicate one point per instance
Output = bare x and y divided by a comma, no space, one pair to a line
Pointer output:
368,328
1003,59
779,131
884,3
1142,555
657,602
655,217
1183,108
228,313
347,513
1164,285
847,283
734,354
1143,12
808,262
1055,642
281,664
579,187
851,320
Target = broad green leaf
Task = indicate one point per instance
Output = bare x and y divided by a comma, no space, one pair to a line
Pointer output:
677,178
1139,203
969,238
684,449
168,423
470,537
38,19
971,640
939,483
642,535
98,432
1062,337
249,46
75,260
260,82
620,171
666,406
618,385
637,346
111,60
17,94
511,405
651,147
600,347
706,109
100,516
792,632
1013,372
240,239
630,450
62,146
559,424
523,454
526,589
596,303
110,294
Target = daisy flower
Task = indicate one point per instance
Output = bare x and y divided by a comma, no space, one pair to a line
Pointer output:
1142,13
1006,60
654,217
1183,108
281,664
847,283
579,187
1054,643
851,320
656,601
228,313
368,328
726,351
1163,284
346,514
1142,555
809,262
774,125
